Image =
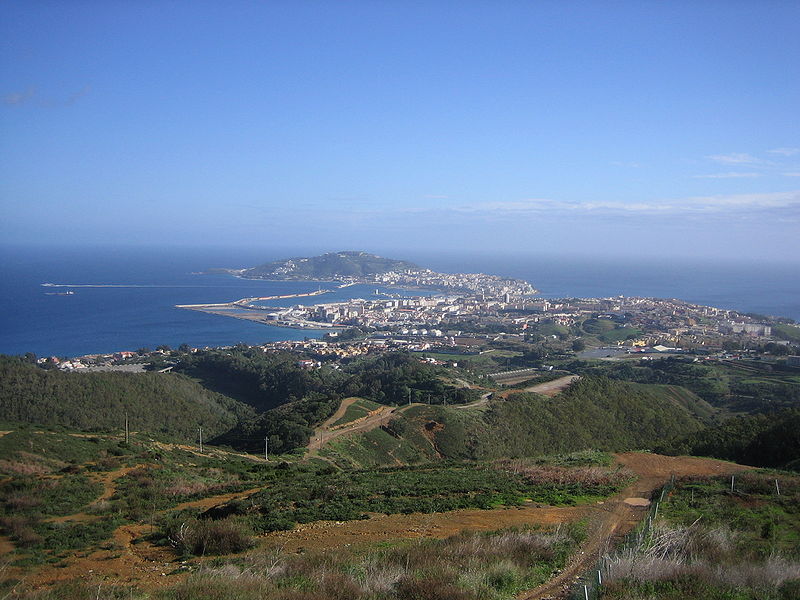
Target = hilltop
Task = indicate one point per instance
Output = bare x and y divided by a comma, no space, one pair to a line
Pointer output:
329,266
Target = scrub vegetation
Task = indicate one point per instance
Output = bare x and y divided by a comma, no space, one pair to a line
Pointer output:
713,542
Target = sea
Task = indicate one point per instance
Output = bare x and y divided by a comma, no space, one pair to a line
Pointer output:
124,297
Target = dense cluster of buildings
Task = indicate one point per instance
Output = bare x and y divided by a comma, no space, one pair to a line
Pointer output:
502,310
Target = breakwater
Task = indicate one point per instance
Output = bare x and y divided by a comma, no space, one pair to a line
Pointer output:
246,302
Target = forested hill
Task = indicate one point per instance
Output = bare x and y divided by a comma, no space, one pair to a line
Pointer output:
167,403
328,266
763,440
594,412
291,400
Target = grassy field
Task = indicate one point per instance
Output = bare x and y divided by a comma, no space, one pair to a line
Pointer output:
787,332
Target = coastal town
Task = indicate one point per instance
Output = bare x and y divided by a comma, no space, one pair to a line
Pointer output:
469,324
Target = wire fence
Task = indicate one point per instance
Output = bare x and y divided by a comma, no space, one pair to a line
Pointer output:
589,586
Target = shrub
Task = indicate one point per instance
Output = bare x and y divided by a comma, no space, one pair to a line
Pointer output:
20,529
17,501
210,537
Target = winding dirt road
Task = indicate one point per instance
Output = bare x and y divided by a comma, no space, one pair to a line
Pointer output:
324,434
615,518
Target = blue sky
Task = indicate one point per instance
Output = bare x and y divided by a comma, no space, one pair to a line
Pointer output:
668,128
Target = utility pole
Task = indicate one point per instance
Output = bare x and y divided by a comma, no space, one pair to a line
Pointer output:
266,447
409,396
201,439
127,436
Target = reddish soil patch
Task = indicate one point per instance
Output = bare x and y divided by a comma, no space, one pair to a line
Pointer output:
6,545
326,535
211,501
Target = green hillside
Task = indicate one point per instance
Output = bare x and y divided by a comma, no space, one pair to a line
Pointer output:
327,266
763,440
167,403
595,412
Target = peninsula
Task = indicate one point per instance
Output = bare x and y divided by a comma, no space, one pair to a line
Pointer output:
349,268
352,267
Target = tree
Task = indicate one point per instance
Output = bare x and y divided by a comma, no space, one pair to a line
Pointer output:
578,345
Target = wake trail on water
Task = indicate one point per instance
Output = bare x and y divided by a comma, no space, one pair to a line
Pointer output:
127,285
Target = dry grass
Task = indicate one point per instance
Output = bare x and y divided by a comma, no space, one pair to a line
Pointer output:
184,487
469,566
550,474
23,468
20,529
21,501
708,555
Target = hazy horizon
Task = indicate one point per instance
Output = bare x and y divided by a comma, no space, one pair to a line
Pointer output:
627,130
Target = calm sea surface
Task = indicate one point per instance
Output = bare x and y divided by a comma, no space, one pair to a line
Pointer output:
142,312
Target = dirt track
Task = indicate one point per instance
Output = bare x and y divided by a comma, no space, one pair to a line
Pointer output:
548,388
615,518
128,558
323,434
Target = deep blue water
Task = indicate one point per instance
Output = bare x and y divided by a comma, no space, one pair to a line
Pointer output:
126,318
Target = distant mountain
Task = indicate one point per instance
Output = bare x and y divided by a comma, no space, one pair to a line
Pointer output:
328,266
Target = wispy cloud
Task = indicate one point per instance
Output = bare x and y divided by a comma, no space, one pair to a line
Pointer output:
31,97
785,151
19,98
735,158
730,175
698,205
629,165
792,174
